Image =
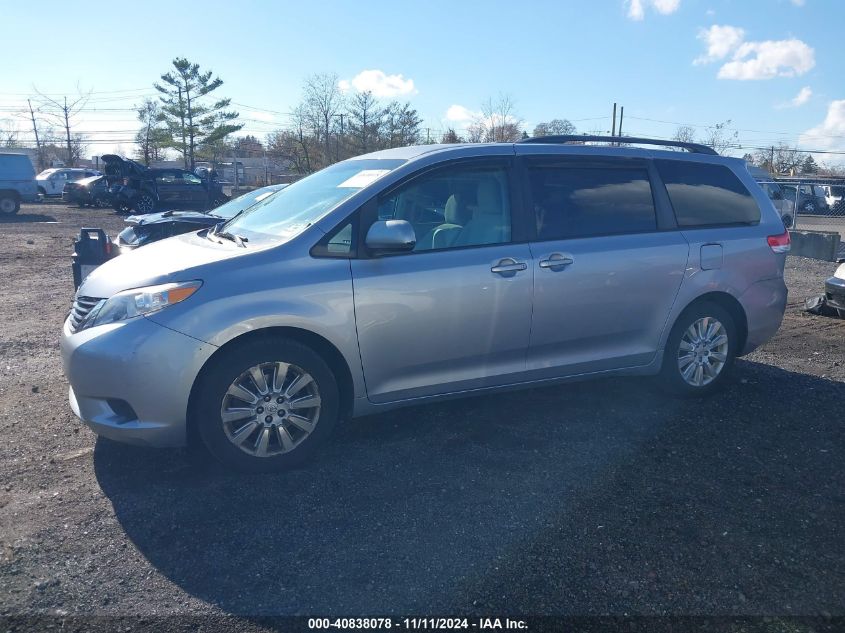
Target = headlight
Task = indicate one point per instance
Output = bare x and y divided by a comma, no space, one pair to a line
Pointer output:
138,302
840,272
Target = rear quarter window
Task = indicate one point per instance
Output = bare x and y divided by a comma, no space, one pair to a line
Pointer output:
707,195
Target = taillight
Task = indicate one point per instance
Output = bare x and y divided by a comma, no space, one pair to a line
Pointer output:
779,243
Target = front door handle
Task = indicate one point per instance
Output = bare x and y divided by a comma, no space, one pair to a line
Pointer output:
508,266
557,260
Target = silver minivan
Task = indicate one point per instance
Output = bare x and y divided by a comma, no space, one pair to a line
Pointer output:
428,272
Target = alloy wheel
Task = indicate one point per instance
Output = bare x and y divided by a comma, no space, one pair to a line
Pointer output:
144,204
703,351
270,409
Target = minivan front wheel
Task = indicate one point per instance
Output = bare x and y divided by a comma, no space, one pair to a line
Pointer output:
700,350
266,405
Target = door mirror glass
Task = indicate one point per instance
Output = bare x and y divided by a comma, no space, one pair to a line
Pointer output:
391,236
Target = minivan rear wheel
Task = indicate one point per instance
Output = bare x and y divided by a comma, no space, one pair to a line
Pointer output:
700,350
266,405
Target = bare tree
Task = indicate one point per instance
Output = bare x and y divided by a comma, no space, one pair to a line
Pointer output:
499,120
450,136
63,114
719,136
297,145
8,134
781,159
322,101
555,127
684,134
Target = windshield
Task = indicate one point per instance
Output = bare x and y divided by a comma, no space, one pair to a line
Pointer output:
304,202
233,207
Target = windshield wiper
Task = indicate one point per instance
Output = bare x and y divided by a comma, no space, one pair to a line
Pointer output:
237,239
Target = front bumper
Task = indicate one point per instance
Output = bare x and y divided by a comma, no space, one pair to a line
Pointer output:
131,381
764,304
834,292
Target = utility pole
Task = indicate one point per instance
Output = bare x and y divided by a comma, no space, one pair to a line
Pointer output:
613,128
37,142
772,160
70,158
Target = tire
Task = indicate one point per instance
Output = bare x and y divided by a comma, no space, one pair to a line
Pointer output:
9,204
671,377
144,203
122,207
809,207
238,440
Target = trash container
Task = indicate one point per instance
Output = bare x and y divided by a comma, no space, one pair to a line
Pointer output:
92,248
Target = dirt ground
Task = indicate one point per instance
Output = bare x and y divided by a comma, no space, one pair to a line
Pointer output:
600,497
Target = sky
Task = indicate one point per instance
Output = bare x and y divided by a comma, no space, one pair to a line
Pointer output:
774,68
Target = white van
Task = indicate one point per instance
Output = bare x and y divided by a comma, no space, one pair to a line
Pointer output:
51,182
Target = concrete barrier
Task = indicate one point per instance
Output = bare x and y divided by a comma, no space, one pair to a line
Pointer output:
821,245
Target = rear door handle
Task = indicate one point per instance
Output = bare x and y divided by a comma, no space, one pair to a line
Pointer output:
508,265
557,260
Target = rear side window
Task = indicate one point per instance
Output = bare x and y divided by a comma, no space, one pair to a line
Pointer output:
571,201
707,195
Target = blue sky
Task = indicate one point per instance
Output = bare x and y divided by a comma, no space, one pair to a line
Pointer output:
774,67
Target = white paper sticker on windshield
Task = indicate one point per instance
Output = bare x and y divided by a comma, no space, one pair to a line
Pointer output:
363,178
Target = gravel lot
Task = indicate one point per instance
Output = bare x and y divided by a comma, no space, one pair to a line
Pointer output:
594,498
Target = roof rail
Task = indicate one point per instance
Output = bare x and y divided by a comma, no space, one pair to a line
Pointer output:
695,148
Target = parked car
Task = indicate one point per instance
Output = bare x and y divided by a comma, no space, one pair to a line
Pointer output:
784,206
810,199
51,182
835,198
143,190
834,290
17,182
144,229
88,192
428,272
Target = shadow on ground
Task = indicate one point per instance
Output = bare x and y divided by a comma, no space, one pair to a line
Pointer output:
598,497
20,218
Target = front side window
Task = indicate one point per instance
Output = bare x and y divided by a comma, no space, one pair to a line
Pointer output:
453,207
706,195
571,201
294,208
166,178
190,179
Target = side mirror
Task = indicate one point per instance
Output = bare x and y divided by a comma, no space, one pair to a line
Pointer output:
391,236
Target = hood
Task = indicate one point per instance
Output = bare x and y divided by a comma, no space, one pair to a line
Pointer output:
124,166
174,259
163,217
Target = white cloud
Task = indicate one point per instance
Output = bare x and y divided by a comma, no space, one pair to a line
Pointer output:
766,60
720,41
798,3
379,83
636,8
800,99
754,60
460,114
830,134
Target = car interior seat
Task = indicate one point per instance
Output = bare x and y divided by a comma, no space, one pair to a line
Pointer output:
456,215
490,223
